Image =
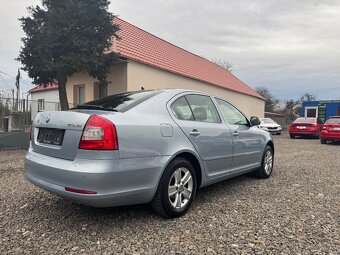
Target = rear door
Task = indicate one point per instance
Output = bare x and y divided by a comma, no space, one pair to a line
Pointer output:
197,116
247,142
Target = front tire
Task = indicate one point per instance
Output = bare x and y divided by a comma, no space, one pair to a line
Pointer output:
323,141
267,164
292,136
176,189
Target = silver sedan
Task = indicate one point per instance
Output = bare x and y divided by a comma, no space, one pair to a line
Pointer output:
154,147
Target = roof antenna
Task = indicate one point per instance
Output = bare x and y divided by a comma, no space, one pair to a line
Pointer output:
141,88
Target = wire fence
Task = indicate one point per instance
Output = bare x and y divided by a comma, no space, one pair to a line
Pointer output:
17,115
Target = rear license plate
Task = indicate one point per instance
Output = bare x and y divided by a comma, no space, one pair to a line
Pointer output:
51,136
301,127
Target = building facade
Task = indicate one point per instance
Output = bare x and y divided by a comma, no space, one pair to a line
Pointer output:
44,98
149,62
320,109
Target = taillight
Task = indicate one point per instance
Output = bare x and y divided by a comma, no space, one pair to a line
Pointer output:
324,128
99,134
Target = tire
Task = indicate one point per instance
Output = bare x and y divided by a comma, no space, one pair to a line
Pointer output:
267,164
177,204
278,133
292,136
323,141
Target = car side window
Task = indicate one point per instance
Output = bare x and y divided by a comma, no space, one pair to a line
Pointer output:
231,114
203,108
181,109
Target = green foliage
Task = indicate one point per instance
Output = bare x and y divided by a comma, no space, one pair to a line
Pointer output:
64,37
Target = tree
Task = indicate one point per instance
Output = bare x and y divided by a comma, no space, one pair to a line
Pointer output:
289,110
64,37
308,97
271,101
223,63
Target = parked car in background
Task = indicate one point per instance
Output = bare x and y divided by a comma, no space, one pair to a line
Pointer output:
154,147
330,130
270,125
305,127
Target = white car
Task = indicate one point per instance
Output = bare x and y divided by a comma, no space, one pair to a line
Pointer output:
271,126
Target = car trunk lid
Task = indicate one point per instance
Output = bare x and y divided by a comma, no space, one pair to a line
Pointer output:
58,134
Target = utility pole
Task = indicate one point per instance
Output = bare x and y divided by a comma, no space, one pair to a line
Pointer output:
13,105
17,84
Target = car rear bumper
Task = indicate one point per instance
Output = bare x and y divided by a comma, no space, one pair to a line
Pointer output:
116,182
304,132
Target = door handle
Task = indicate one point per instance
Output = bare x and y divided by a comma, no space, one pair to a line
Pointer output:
195,132
236,133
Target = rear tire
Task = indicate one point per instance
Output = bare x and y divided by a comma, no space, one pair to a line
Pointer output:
267,164
323,141
292,136
176,190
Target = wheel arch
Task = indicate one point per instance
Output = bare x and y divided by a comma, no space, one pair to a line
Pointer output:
271,145
194,160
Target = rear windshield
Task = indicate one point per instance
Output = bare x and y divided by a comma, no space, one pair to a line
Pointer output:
119,102
333,121
305,120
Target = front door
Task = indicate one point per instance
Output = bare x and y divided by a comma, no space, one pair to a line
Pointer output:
197,116
247,143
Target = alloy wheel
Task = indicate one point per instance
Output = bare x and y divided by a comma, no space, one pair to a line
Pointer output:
268,162
180,188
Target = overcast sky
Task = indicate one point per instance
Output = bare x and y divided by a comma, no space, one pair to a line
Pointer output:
290,47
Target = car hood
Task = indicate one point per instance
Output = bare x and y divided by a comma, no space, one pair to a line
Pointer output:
269,125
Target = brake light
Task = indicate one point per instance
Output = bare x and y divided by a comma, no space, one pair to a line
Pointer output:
99,134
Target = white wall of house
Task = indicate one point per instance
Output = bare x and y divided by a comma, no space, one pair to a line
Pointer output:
153,78
50,102
116,79
133,75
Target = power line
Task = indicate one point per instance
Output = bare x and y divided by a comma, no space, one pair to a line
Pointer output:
22,80
5,82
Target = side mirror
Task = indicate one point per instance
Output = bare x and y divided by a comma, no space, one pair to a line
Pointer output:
255,121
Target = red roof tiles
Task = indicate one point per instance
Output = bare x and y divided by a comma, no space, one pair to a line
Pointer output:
43,88
141,46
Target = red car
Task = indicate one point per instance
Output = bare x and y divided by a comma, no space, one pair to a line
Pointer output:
331,130
305,126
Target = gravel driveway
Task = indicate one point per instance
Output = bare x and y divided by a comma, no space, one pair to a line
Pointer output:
297,211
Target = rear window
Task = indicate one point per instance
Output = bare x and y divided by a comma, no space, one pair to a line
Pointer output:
120,102
333,121
305,120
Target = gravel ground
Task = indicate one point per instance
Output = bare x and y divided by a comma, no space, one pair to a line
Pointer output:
297,211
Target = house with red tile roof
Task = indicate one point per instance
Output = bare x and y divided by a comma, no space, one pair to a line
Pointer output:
44,98
152,63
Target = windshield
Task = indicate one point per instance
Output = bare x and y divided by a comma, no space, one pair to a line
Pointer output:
119,102
305,120
333,121
268,121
